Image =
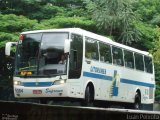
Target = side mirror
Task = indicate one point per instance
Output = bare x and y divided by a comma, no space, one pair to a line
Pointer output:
8,47
67,45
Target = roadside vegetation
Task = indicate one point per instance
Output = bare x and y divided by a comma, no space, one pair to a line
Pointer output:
134,23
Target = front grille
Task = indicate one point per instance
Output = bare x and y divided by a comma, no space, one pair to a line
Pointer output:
37,84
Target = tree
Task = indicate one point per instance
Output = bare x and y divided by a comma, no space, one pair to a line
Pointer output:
42,9
156,55
11,25
147,10
116,18
67,22
156,50
148,36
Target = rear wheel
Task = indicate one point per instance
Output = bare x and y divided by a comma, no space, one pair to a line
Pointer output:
137,102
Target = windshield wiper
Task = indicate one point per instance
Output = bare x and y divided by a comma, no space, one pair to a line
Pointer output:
27,68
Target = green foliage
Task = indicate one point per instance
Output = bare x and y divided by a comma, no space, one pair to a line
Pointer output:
6,37
65,3
156,20
46,12
11,25
156,50
148,36
115,17
67,22
19,7
156,54
157,77
42,9
147,10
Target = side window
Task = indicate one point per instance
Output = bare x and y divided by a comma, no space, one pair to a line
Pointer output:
91,49
148,64
139,62
76,55
128,58
105,53
117,56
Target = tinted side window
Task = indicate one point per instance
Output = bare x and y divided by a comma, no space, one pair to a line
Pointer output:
105,53
148,64
139,62
117,56
128,58
91,49
76,55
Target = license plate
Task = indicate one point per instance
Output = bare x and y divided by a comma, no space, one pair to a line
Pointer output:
37,91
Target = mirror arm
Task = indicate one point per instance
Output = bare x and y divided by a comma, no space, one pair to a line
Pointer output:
8,47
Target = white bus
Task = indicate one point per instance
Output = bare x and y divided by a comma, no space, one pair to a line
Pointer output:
95,68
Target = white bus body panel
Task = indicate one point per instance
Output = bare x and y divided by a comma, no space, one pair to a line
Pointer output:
127,83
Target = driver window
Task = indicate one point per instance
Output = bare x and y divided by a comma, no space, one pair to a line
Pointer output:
51,57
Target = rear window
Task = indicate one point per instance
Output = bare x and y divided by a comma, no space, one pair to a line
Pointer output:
139,62
148,64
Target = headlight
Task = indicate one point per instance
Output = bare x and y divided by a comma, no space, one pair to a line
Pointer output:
17,83
58,82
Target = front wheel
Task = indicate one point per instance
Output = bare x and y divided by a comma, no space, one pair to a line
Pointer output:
88,97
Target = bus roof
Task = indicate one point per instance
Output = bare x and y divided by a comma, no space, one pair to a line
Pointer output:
92,35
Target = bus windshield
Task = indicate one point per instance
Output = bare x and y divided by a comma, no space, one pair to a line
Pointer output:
41,54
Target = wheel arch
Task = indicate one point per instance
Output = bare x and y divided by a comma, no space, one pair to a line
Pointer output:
92,87
139,92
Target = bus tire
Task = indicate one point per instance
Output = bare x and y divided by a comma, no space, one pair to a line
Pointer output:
137,102
88,97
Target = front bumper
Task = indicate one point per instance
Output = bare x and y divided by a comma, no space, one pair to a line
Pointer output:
38,92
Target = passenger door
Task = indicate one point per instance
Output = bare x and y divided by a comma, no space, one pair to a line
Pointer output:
76,54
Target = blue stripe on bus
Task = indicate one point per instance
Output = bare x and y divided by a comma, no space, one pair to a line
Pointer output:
93,75
127,81
37,84
133,82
